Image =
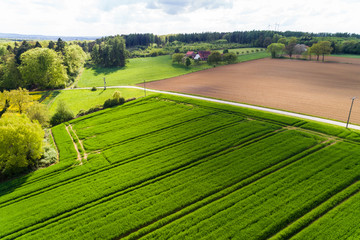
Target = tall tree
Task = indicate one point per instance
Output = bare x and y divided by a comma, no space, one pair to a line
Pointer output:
60,45
74,59
276,49
20,98
21,144
43,67
111,52
325,48
38,45
51,45
290,47
11,77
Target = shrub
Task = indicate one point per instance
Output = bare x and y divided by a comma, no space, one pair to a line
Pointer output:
116,95
93,89
113,102
39,112
63,114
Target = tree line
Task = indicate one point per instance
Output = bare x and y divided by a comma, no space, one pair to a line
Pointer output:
34,66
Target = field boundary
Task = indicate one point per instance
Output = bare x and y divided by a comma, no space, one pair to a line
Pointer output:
276,111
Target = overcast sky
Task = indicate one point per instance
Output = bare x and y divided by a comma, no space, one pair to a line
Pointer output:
110,17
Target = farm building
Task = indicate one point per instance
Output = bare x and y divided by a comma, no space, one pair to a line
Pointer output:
204,55
190,54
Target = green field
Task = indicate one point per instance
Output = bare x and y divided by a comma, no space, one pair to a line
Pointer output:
78,99
166,167
346,55
149,69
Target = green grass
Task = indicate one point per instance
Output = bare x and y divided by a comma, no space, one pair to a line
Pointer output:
166,167
346,55
85,99
149,69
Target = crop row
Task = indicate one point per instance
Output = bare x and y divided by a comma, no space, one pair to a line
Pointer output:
136,128
129,211
144,145
94,187
342,222
265,207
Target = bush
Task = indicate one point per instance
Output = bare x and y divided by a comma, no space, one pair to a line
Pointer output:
63,114
93,89
39,112
113,102
50,156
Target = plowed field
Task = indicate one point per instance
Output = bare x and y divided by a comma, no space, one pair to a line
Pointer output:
314,88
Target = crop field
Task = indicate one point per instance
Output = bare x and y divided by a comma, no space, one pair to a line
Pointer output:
149,69
308,87
166,167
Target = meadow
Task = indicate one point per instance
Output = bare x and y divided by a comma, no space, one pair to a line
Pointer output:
165,167
84,99
147,69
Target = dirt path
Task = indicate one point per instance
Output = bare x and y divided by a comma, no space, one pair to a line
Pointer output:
75,146
80,142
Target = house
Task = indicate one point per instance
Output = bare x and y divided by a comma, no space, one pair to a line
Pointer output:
197,56
190,54
204,55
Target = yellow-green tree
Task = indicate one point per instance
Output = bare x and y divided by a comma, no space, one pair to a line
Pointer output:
43,67
74,59
20,99
20,144
276,49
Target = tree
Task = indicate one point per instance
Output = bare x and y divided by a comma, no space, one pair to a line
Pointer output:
11,76
325,48
21,144
225,51
315,48
276,49
4,102
51,45
74,59
188,62
60,45
38,112
111,52
230,57
282,40
38,45
214,58
62,114
42,67
177,50
177,57
290,48
20,98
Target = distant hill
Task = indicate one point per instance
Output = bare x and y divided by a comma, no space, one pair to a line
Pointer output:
14,36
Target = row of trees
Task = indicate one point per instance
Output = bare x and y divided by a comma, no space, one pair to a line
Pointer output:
32,66
110,52
321,48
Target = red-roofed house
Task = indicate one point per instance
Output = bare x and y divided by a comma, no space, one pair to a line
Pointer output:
190,54
204,55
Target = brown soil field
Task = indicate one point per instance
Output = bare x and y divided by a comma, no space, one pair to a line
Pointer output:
308,87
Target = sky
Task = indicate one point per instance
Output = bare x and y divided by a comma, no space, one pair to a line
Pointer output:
111,17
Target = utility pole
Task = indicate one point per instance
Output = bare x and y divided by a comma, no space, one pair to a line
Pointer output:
144,88
352,102
104,84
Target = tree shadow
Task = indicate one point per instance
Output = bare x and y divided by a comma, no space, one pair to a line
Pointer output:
105,70
8,186
101,92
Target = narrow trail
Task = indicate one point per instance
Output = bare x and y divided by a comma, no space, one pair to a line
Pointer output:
75,146
80,142
281,112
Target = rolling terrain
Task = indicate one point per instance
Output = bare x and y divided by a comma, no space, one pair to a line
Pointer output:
166,167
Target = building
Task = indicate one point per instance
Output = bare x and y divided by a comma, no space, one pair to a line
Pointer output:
204,55
190,54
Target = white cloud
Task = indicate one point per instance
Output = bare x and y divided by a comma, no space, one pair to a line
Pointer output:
109,17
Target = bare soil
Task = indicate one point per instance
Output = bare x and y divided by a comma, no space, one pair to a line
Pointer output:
308,87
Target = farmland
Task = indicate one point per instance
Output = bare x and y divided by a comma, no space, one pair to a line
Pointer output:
168,167
308,87
148,69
